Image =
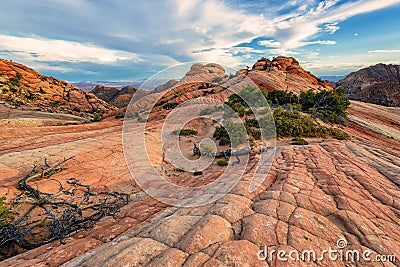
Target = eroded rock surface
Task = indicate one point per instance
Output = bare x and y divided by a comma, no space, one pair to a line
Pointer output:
25,88
313,196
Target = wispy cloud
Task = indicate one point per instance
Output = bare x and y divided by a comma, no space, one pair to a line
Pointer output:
152,34
384,51
326,16
60,50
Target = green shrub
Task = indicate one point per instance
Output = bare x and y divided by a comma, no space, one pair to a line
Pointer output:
206,111
120,115
19,76
31,96
55,103
222,162
216,80
338,134
334,101
185,132
97,117
291,124
280,97
170,106
223,141
5,212
197,173
252,123
299,141
209,92
206,150
5,90
14,82
220,132
13,89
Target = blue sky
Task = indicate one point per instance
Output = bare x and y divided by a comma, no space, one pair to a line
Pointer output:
125,40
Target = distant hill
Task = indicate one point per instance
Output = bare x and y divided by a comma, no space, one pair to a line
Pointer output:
332,78
90,85
379,84
25,88
114,96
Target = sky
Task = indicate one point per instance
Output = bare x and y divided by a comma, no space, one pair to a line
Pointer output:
111,40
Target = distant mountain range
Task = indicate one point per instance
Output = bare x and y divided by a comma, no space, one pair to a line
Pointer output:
90,85
379,84
333,78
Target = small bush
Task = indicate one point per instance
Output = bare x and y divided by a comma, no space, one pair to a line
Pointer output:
76,109
220,132
97,117
5,212
231,76
224,141
299,141
19,76
216,80
338,134
14,90
14,82
222,162
185,132
197,173
120,115
170,106
5,90
206,150
206,111
55,103
31,96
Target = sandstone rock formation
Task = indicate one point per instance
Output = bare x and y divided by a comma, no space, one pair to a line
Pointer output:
312,196
284,73
379,84
25,88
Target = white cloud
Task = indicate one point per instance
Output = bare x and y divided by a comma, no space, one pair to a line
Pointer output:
269,43
326,16
384,51
39,48
171,31
321,42
331,27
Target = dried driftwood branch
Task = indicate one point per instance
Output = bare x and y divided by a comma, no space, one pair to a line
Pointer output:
63,213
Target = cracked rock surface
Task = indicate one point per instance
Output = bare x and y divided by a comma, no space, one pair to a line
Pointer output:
313,196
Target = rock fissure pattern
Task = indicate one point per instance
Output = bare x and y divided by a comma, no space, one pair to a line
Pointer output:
312,196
